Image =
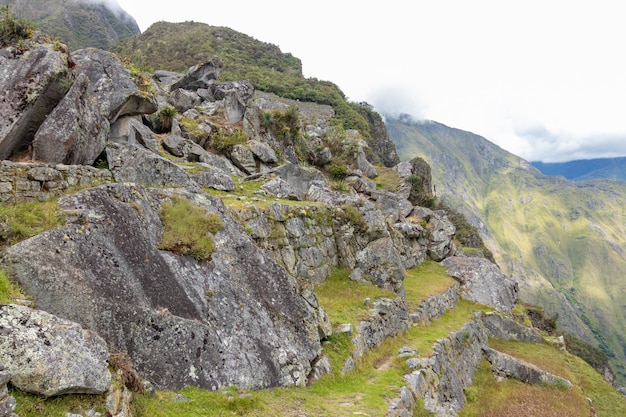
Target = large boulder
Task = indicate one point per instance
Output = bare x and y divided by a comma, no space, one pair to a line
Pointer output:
50,356
130,130
235,320
300,178
31,85
199,76
483,282
111,84
75,132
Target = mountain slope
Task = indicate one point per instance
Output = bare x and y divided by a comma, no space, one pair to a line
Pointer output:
564,241
588,169
78,23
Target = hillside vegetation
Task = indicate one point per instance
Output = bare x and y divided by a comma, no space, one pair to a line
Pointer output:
564,241
77,23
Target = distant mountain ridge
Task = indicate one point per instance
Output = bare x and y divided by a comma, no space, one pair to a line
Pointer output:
565,241
77,23
586,169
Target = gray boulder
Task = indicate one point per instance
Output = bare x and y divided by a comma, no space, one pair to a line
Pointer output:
506,366
243,158
300,178
483,282
130,130
51,356
199,76
31,85
235,320
505,328
183,100
132,163
214,178
262,152
380,262
111,85
280,188
7,402
243,89
75,132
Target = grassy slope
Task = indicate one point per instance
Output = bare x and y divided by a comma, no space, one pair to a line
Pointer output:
566,241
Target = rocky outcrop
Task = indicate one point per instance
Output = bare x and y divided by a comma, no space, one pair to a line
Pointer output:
31,85
49,356
238,319
111,85
506,366
483,282
435,306
75,131
504,328
199,76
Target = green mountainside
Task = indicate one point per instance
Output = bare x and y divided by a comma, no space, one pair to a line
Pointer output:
586,169
178,46
564,241
77,23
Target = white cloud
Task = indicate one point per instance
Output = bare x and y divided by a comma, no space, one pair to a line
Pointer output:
498,69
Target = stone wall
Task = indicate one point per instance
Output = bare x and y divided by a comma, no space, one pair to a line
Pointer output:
39,181
435,306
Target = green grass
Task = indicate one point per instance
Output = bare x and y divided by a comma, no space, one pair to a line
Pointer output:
343,299
33,406
188,229
24,220
425,280
512,398
9,291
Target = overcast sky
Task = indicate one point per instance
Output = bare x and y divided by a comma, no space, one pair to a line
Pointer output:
545,80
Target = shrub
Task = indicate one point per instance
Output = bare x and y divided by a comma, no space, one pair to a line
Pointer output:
162,119
13,29
188,229
224,143
353,215
338,172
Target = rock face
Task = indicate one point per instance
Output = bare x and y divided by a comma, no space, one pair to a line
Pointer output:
235,320
7,402
30,87
49,356
482,282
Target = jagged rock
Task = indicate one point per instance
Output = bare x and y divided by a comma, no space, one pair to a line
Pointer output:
506,366
300,178
323,157
321,367
394,207
243,158
131,163
280,188
130,130
381,263
166,78
505,328
403,169
244,89
622,390
361,185
237,319
214,178
31,85
183,100
234,107
175,145
111,85
50,356
199,76
365,166
75,132
263,152
483,282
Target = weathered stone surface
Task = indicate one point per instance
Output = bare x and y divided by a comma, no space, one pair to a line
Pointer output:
506,366
262,152
199,76
132,163
243,158
238,319
130,130
299,178
244,90
483,282
111,85
380,262
183,100
505,328
50,356
214,178
30,88
75,132
280,188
